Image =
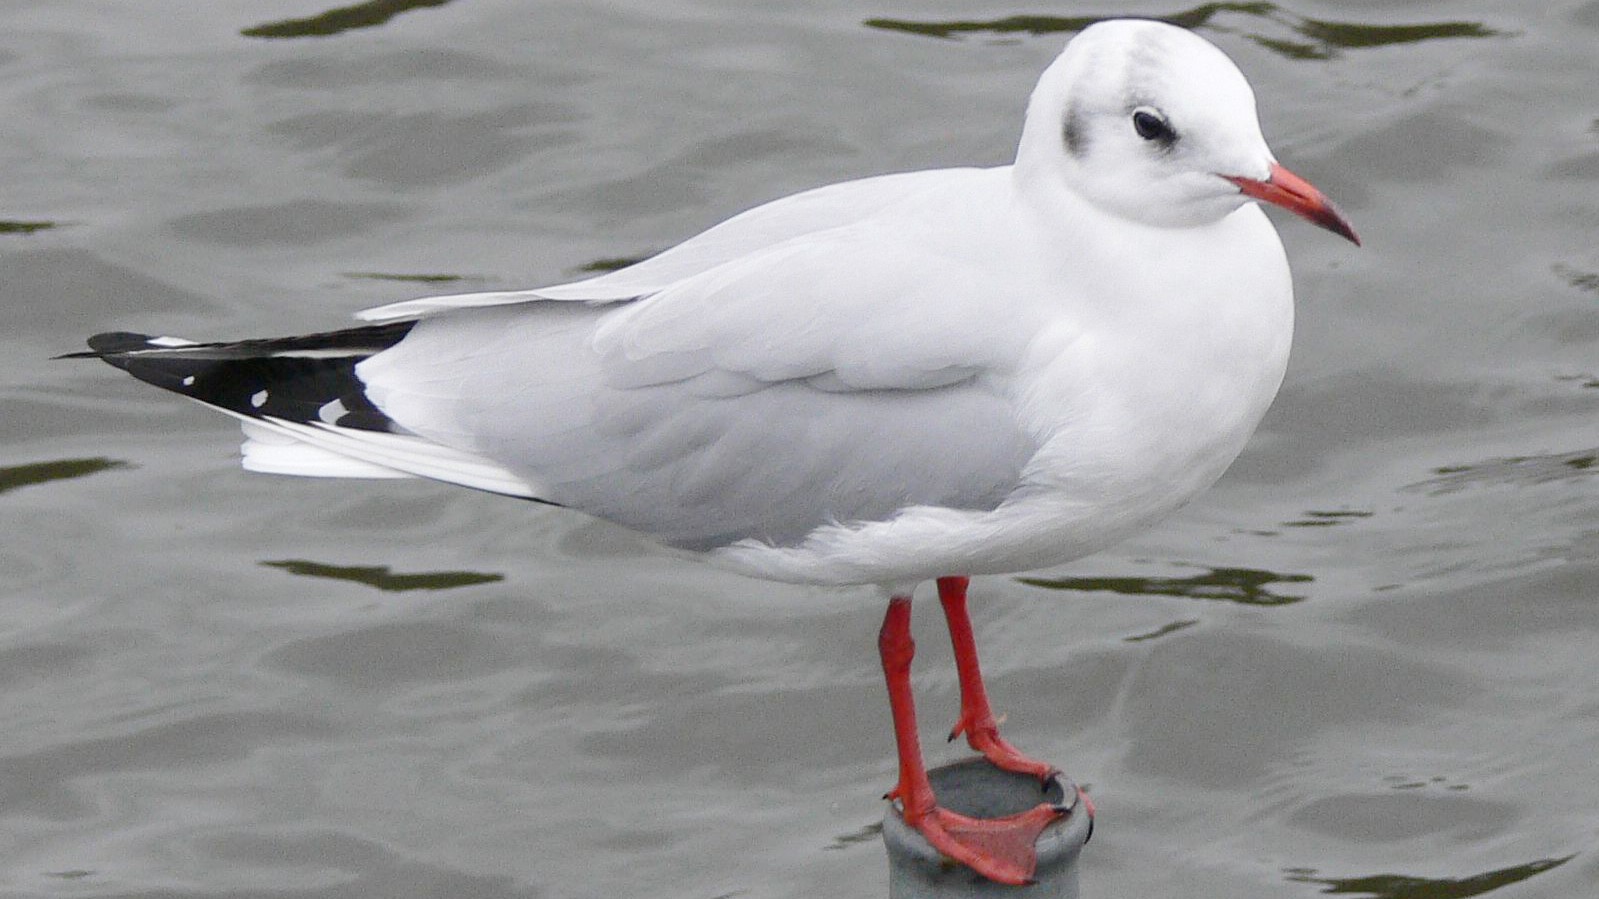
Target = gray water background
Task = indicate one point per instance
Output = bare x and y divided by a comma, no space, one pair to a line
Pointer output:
1366,664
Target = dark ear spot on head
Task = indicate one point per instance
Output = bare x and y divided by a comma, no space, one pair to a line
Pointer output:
1074,134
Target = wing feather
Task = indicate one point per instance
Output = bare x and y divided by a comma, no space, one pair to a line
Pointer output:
822,359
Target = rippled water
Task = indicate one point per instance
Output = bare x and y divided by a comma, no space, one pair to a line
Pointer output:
1366,664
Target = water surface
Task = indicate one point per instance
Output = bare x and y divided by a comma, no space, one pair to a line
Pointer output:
1367,664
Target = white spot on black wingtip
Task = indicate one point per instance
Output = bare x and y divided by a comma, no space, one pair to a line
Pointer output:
331,412
188,380
258,399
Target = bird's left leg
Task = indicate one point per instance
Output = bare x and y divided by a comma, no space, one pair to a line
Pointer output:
977,719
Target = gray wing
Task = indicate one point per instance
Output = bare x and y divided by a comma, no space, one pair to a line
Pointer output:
790,389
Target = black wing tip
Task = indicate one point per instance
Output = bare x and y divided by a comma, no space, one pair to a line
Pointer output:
111,343
309,378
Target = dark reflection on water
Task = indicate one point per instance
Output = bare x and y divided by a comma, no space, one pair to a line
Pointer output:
866,834
16,227
1241,585
1400,782
611,264
1034,25
1353,35
411,279
1162,631
1319,38
1586,381
1513,470
1315,519
344,18
1398,886
33,473
381,577
1588,281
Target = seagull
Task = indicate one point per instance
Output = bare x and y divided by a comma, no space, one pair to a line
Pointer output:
918,376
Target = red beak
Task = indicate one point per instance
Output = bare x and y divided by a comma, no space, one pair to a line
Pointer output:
1295,194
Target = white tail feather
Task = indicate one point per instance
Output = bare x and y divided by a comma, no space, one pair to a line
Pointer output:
330,451
271,452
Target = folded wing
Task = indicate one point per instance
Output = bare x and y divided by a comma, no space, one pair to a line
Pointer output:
818,380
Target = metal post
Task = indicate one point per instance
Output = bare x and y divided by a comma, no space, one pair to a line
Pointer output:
976,788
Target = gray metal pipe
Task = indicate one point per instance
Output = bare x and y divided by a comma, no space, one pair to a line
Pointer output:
976,788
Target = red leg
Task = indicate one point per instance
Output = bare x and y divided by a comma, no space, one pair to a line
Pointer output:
977,719
895,645
1000,849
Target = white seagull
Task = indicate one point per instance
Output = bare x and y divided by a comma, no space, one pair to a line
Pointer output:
917,376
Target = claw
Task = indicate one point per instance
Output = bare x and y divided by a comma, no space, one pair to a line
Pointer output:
1088,806
984,737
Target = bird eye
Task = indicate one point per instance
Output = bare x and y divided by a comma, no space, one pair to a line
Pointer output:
1151,125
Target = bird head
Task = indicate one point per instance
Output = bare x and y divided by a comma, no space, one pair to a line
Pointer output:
1152,123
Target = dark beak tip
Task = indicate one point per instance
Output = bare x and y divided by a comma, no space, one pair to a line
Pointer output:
1293,193
1340,226
1332,218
